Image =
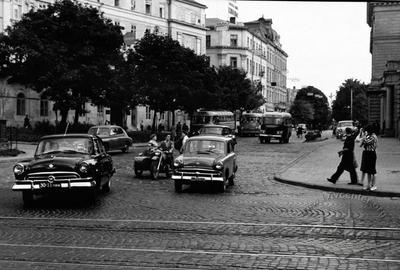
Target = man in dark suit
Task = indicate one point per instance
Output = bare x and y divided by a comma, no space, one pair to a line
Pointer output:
348,162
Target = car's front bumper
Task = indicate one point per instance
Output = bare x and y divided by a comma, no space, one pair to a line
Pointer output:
75,183
270,135
194,176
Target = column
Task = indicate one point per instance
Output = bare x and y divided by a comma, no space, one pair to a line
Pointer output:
389,111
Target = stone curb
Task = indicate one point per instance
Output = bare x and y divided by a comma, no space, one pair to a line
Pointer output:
338,189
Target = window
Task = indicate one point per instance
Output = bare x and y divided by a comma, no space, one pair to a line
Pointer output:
248,42
133,4
234,40
20,104
208,41
116,3
133,30
233,62
44,106
148,7
162,12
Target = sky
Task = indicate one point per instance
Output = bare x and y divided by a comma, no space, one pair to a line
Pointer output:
327,42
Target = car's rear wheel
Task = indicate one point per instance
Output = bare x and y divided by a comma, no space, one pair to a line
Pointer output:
125,149
27,197
138,172
178,186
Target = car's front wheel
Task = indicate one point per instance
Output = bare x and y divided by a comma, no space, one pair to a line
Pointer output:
138,172
27,197
107,186
178,186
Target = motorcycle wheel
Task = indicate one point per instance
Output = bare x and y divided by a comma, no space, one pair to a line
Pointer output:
153,169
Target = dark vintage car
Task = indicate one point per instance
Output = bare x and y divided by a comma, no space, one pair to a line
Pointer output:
113,137
218,130
206,159
65,162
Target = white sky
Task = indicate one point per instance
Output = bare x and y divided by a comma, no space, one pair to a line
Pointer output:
327,43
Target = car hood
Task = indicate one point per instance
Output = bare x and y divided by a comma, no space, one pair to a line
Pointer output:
200,160
57,163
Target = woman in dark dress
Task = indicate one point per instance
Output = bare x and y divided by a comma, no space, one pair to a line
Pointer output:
368,160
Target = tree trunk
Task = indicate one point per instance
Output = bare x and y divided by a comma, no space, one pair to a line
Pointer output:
63,123
153,128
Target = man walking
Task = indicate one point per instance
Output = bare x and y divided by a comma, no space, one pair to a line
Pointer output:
348,162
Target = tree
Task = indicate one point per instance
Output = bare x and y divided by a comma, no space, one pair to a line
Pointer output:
169,76
341,107
65,52
319,102
302,111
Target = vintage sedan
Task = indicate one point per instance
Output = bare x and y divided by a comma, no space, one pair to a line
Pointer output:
341,128
65,162
206,159
113,137
218,130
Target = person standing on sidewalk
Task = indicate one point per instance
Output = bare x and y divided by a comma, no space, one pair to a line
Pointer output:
368,160
348,162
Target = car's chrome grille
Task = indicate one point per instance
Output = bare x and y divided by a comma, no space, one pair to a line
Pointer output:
58,176
197,172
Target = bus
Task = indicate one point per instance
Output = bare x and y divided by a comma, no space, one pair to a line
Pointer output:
250,124
201,118
276,125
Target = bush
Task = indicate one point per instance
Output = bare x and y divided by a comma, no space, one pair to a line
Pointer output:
79,128
44,127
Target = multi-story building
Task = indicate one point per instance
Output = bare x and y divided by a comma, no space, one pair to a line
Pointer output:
183,20
254,47
384,92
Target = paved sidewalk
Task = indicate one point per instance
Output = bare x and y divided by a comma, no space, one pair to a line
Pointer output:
29,149
313,170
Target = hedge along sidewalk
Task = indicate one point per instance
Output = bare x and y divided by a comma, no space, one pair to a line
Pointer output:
30,148
313,170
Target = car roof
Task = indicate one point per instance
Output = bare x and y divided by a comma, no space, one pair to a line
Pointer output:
210,137
69,135
217,126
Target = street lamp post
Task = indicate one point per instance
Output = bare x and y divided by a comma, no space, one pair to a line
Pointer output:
351,103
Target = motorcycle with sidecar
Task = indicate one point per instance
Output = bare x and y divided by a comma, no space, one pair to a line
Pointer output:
154,160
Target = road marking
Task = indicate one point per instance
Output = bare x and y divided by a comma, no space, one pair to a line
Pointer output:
203,252
208,223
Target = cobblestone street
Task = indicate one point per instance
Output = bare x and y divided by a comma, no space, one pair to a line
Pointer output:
257,224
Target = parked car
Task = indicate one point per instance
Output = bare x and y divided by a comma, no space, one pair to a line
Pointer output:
218,130
113,137
65,162
341,128
206,159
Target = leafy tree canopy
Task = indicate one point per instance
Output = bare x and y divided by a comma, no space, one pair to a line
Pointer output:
319,103
341,107
302,111
64,51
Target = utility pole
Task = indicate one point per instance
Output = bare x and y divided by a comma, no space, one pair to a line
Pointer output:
351,103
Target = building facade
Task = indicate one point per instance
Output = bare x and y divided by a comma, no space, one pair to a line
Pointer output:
254,47
384,92
183,20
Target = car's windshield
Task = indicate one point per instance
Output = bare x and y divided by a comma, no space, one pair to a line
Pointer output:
209,147
272,120
64,145
99,131
345,124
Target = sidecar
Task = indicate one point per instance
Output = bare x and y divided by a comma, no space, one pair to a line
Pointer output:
141,163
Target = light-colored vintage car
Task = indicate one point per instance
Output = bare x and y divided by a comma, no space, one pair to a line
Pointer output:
113,137
206,159
341,128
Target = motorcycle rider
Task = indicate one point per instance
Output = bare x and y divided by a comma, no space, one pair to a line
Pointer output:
168,148
153,142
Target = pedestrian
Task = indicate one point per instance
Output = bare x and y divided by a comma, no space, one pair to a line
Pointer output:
348,161
299,132
184,139
368,160
178,128
27,123
185,128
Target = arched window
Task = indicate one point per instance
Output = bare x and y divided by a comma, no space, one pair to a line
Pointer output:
21,104
44,106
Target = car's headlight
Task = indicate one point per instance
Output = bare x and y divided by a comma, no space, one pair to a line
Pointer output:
219,165
19,169
84,168
279,132
178,163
